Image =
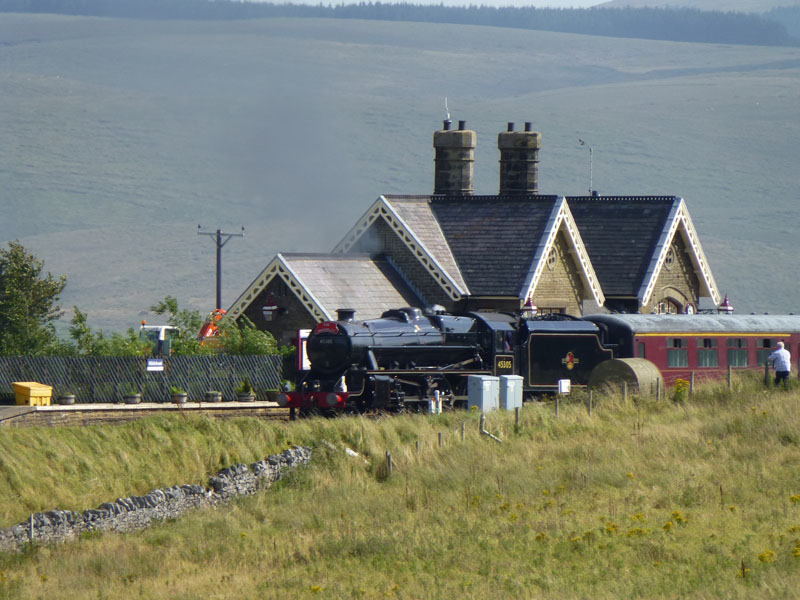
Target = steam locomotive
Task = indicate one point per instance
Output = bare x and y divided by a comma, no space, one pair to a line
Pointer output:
402,359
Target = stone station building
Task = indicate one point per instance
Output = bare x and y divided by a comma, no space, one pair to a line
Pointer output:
574,255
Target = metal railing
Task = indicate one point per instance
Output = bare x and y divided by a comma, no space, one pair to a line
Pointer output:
106,379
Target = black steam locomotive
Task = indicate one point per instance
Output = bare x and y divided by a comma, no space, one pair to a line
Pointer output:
405,357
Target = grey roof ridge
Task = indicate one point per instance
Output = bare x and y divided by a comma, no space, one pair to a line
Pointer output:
560,216
461,285
678,216
373,213
280,268
647,285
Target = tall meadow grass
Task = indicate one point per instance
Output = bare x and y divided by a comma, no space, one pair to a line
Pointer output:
647,499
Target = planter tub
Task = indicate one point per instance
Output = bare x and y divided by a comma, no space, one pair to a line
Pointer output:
213,397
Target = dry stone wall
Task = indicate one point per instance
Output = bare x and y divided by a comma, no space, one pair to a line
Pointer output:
139,512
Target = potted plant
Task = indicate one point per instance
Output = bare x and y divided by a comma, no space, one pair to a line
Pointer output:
213,396
66,397
131,394
178,394
244,391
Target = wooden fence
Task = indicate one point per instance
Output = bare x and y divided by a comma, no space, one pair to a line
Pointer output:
105,379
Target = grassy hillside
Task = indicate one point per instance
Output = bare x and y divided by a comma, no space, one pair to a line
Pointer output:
695,500
722,5
121,136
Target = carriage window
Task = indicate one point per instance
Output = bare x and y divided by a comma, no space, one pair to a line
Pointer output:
737,352
641,353
677,352
707,353
763,349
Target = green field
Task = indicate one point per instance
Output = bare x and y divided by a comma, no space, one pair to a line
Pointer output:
119,137
696,499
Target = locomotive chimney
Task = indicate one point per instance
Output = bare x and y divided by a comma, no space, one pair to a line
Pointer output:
345,314
519,160
455,160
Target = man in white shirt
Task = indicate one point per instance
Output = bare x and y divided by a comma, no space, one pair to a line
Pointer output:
782,363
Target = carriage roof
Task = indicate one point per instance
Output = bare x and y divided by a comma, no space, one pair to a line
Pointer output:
701,323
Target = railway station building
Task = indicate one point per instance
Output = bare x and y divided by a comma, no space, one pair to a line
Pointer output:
517,250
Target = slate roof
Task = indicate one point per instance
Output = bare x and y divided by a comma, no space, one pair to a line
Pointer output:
621,235
416,213
494,238
368,285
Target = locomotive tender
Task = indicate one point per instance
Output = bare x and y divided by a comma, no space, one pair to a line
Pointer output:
403,358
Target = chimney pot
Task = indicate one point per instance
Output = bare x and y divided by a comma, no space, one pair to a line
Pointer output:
510,126
446,125
455,155
519,160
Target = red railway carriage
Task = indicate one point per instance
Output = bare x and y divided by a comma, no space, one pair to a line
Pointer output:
703,344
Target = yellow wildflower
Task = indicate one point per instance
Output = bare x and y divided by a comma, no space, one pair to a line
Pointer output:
767,556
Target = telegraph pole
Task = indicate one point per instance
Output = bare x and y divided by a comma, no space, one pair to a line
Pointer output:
591,186
221,239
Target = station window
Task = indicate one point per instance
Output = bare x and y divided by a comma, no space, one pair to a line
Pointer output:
677,352
763,349
707,352
737,352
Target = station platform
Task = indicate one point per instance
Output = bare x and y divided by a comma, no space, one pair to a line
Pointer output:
87,414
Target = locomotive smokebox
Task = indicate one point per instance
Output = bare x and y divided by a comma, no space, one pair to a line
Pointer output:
455,160
519,160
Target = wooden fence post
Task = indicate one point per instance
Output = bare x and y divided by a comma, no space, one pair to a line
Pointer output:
589,402
463,433
730,378
516,417
691,384
624,392
388,463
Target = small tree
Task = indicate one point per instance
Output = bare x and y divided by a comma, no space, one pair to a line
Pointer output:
28,303
243,338
188,323
90,343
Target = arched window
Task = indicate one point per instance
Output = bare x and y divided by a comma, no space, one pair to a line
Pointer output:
668,306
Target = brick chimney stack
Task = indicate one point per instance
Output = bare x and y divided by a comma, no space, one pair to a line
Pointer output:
519,160
455,160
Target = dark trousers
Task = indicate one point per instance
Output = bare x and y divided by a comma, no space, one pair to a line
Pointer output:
781,376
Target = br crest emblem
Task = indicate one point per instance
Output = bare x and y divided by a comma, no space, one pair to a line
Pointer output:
569,361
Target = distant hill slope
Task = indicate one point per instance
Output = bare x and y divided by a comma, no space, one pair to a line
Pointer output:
120,136
673,24
758,6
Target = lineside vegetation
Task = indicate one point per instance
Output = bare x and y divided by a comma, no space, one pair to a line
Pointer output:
696,498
